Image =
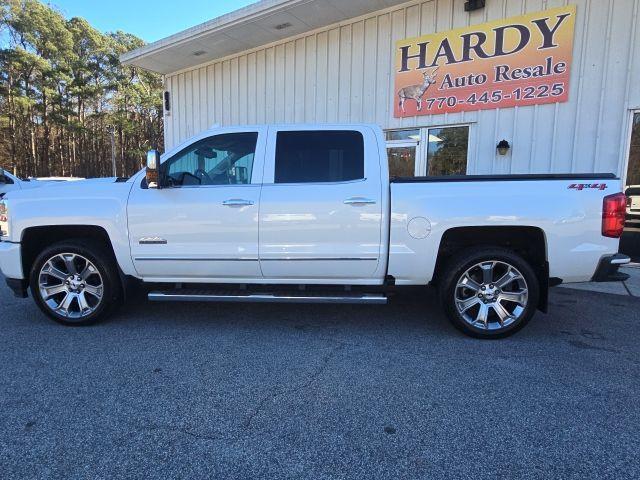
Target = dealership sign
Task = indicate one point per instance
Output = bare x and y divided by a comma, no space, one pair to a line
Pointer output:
511,62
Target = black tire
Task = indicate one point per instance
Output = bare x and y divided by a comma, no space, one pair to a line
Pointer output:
105,265
460,264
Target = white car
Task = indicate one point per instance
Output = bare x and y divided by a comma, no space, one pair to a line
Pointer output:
308,214
57,179
9,182
633,205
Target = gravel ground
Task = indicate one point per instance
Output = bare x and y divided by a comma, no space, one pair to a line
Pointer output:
314,392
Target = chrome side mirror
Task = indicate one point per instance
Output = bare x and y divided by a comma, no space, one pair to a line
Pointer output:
153,165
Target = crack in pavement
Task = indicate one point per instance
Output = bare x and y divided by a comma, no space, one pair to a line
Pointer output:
261,405
289,391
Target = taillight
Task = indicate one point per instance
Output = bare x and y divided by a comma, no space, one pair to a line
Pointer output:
613,213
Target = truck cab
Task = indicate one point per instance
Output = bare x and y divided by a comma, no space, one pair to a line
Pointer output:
227,214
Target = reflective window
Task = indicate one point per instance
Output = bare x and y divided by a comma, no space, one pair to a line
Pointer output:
447,151
5,180
633,170
402,160
399,135
428,151
225,159
319,156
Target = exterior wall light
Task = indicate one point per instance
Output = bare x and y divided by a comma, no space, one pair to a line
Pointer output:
503,147
472,5
167,102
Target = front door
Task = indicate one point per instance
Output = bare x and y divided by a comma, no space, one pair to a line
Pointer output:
321,206
203,225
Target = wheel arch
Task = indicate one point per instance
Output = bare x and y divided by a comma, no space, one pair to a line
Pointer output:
36,239
527,241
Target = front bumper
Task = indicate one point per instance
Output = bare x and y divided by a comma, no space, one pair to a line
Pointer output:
11,266
18,287
607,270
11,260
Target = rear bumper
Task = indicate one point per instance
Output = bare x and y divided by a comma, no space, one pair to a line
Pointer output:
607,270
632,219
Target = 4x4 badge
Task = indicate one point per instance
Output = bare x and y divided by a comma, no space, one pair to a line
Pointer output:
585,186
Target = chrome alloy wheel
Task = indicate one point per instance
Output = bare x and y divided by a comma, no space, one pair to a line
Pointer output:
70,285
491,295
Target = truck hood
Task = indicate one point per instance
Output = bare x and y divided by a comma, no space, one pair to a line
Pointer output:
98,202
80,189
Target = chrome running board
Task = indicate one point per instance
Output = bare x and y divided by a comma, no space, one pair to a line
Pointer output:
289,297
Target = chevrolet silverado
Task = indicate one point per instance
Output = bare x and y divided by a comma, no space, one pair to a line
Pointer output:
309,214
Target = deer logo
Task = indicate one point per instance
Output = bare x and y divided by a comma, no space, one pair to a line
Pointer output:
416,92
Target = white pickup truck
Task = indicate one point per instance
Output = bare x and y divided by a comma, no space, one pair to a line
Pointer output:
309,214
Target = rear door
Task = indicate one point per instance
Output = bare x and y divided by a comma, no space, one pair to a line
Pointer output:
321,205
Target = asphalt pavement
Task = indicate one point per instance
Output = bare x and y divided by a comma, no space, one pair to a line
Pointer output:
320,392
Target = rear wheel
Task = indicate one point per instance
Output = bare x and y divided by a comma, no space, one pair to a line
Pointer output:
489,292
75,282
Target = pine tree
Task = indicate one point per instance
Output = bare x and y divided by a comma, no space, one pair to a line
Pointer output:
63,91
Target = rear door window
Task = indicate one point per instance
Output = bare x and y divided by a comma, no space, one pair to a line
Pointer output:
324,156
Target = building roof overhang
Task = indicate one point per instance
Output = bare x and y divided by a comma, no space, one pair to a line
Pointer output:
261,23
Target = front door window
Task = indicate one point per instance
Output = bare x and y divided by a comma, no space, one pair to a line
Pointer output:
225,159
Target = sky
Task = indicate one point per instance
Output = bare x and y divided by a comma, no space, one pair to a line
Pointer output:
150,20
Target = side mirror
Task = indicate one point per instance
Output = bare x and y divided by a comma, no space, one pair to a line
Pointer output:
153,165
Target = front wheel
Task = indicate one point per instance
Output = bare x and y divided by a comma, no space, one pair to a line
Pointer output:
489,292
75,282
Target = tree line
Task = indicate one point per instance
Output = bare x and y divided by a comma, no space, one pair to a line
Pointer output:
66,100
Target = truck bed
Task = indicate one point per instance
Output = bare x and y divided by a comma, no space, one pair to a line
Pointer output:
506,177
565,210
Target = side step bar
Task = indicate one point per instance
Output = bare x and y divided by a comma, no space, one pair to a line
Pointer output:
203,296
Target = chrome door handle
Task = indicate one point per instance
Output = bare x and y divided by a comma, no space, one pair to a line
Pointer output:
356,201
237,202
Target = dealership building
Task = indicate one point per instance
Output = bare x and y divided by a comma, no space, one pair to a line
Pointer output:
459,87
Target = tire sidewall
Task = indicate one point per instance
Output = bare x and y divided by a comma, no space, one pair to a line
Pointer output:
472,257
100,260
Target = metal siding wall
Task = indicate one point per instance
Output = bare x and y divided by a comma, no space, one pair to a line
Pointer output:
345,74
